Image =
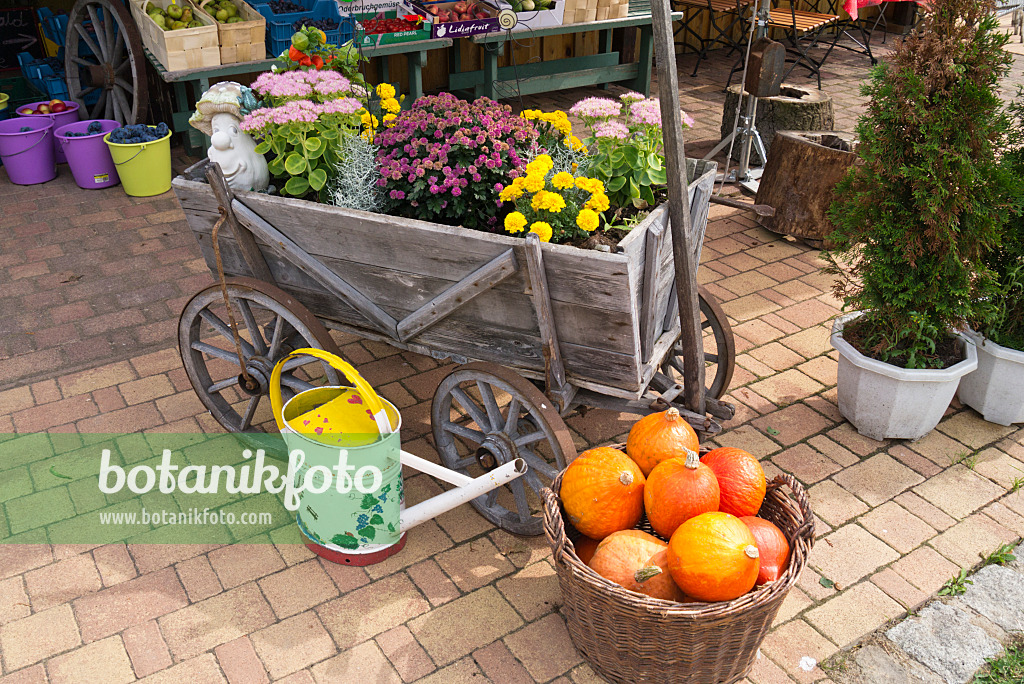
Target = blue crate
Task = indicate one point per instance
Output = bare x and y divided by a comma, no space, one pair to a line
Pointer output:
55,26
279,26
339,36
36,71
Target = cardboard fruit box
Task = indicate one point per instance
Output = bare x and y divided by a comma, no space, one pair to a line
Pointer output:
367,26
187,48
536,18
445,25
242,41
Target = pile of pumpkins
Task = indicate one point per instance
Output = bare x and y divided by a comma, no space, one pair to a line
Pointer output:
718,548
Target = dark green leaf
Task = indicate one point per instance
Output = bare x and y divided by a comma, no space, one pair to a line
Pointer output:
826,582
375,519
616,183
369,501
263,147
345,541
297,186
657,176
368,532
317,178
295,164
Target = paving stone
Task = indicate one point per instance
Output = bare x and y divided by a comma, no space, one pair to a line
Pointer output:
848,554
364,613
999,467
544,648
240,663
101,662
925,511
914,460
114,564
298,588
146,648
1005,517
129,603
475,564
902,591
215,621
237,564
62,582
939,448
432,581
967,542
926,569
533,591
793,424
30,675
363,663
846,435
794,603
787,387
943,638
793,641
806,464
971,429
14,603
959,491
500,665
464,625
837,453
464,671
407,656
424,541
749,439
293,644
878,667
201,670
877,479
856,611
998,594
833,504
29,640
198,578
897,527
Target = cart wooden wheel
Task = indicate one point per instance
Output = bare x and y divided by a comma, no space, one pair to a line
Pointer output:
719,348
483,416
271,324
113,66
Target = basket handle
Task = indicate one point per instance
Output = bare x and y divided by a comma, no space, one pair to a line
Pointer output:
373,401
556,534
805,530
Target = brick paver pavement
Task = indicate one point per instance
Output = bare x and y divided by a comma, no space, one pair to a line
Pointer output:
91,284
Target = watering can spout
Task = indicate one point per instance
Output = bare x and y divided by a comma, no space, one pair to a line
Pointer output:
466,490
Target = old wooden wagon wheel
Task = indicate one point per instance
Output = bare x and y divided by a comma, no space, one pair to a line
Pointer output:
271,324
719,348
483,416
103,54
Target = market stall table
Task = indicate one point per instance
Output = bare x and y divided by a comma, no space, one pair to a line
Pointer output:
199,81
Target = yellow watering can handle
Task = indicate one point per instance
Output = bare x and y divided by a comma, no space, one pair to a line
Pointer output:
373,401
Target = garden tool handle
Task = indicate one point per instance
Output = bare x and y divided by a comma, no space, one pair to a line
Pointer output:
373,401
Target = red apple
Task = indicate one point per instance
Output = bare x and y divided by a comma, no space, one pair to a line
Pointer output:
27,111
432,9
54,102
460,7
43,109
58,108
482,15
465,17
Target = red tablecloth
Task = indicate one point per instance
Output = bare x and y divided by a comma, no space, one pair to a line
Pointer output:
851,6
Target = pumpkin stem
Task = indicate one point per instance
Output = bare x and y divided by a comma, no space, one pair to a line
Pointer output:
692,459
626,477
672,413
644,574
751,551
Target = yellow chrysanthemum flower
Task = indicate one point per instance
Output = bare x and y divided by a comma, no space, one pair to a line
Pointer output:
534,182
542,164
542,229
515,223
597,202
563,180
548,201
574,143
386,91
391,105
587,220
511,192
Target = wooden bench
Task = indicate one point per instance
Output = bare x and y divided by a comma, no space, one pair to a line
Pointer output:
199,80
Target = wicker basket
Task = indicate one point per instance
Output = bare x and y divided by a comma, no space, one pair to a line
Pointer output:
628,637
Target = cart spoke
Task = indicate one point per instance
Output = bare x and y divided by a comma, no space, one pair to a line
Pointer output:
101,55
216,351
123,84
512,417
710,358
222,327
277,337
705,324
460,430
99,106
222,385
121,99
490,497
83,93
250,323
295,383
123,65
109,109
471,407
538,464
530,438
117,116
250,411
531,479
487,396
519,494
110,32
464,463
82,62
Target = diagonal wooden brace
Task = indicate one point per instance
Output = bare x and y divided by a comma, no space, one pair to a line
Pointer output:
554,368
246,242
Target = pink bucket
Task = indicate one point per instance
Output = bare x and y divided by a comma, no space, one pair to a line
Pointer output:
28,155
70,115
88,156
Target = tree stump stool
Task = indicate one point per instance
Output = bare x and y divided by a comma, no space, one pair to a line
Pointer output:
795,108
799,181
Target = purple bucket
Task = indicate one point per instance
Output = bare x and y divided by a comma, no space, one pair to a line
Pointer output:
28,156
88,156
70,115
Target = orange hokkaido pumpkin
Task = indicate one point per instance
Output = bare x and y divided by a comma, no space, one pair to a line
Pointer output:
603,492
713,557
638,561
677,490
741,479
659,437
585,548
772,548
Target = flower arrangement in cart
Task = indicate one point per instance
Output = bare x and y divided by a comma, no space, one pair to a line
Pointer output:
330,137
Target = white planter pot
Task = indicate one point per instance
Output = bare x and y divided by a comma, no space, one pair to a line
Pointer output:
887,402
996,389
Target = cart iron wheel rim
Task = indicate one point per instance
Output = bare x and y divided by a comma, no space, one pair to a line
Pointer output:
483,416
719,348
271,324
103,53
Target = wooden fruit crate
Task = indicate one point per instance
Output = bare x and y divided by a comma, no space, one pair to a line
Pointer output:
243,41
187,48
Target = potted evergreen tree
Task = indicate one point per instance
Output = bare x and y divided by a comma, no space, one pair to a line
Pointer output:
996,388
914,219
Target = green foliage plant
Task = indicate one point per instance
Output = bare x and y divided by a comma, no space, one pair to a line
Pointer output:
956,585
925,203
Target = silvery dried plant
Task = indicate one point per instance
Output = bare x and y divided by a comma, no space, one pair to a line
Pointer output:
354,181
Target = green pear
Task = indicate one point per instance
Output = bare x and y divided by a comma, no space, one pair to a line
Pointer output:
221,15
160,20
231,10
174,11
235,20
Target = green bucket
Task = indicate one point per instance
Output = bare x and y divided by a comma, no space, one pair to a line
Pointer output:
349,482
144,168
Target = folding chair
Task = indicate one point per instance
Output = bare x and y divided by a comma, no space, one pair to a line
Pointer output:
803,30
728,10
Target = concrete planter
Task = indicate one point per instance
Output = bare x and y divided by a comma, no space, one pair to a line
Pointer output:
886,402
996,388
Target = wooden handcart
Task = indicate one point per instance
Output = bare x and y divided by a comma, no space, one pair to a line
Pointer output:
539,330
